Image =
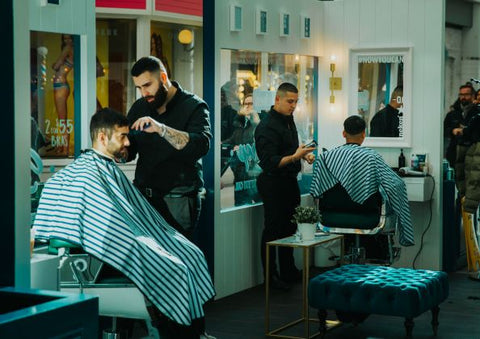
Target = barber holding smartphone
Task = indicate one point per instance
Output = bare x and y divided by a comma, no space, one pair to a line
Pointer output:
386,122
280,154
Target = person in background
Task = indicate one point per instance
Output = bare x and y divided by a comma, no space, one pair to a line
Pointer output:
172,135
386,122
458,118
242,160
93,204
279,152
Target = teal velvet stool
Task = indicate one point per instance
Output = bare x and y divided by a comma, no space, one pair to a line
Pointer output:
360,290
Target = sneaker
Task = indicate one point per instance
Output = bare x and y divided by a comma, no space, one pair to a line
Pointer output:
207,336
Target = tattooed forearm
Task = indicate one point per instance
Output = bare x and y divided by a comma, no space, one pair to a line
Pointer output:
178,139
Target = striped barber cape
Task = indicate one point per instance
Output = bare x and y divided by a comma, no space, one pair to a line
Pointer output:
362,171
92,203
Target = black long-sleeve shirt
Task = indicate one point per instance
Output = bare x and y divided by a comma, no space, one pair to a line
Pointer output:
276,137
160,166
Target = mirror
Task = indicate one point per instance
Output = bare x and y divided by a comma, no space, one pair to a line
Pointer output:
249,82
381,83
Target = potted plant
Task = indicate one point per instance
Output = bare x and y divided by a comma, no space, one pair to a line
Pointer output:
306,218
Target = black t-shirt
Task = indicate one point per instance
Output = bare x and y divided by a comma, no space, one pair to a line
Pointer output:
160,166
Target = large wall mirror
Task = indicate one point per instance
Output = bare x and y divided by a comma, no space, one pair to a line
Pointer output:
381,81
249,80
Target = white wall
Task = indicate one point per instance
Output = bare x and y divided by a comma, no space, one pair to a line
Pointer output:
416,23
238,232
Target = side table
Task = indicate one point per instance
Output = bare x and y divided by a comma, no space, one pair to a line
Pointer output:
306,245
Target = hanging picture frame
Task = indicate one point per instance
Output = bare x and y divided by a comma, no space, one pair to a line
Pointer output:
285,24
236,18
261,19
305,27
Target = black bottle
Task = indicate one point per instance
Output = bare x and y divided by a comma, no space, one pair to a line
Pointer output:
401,159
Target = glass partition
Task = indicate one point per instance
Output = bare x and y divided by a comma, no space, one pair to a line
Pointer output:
249,83
52,61
116,53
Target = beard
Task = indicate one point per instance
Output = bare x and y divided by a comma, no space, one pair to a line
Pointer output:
121,155
159,98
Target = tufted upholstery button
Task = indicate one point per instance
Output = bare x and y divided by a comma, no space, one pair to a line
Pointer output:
383,290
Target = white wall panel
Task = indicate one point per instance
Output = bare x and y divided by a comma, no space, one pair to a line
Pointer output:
367,20
383,20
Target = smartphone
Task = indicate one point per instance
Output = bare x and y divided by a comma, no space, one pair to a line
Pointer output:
312,143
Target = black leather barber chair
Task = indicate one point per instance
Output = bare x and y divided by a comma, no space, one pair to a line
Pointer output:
368,231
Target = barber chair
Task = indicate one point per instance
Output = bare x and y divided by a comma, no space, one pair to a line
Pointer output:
367,222
80,272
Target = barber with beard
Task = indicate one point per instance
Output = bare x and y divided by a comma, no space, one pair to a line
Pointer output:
170,132
457,119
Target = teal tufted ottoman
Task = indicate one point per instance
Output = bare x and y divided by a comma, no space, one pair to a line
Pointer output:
367,289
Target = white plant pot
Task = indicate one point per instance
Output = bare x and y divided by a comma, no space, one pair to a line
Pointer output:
307,230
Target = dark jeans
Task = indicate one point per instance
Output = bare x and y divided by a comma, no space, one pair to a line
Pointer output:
280,197
182,212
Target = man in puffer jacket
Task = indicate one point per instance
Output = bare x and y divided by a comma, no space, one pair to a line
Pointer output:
467,165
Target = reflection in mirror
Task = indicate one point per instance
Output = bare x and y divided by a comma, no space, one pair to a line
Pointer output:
249,82
381,79
380,94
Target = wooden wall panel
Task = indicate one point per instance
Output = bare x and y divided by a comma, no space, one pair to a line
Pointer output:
188,7
124,4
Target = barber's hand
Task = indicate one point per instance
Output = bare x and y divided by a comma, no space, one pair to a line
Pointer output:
309,158
457,131
302,151
149,125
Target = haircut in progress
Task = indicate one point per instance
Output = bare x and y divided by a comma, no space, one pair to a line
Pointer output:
354,125
105,121
147,64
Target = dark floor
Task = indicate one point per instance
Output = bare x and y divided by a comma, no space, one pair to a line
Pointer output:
242,315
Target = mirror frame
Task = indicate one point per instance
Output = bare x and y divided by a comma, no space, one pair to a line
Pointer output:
406,53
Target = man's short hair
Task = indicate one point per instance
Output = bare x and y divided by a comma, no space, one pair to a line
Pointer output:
469,86
354,125
397,92
286,87
105,121
147,64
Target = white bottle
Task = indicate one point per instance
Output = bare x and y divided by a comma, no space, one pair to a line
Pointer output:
414,162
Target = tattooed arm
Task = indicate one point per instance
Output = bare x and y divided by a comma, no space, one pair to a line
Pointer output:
176,138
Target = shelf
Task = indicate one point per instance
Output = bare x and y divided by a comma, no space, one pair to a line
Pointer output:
419,188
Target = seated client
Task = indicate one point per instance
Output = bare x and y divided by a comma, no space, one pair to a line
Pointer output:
362,172
92,203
